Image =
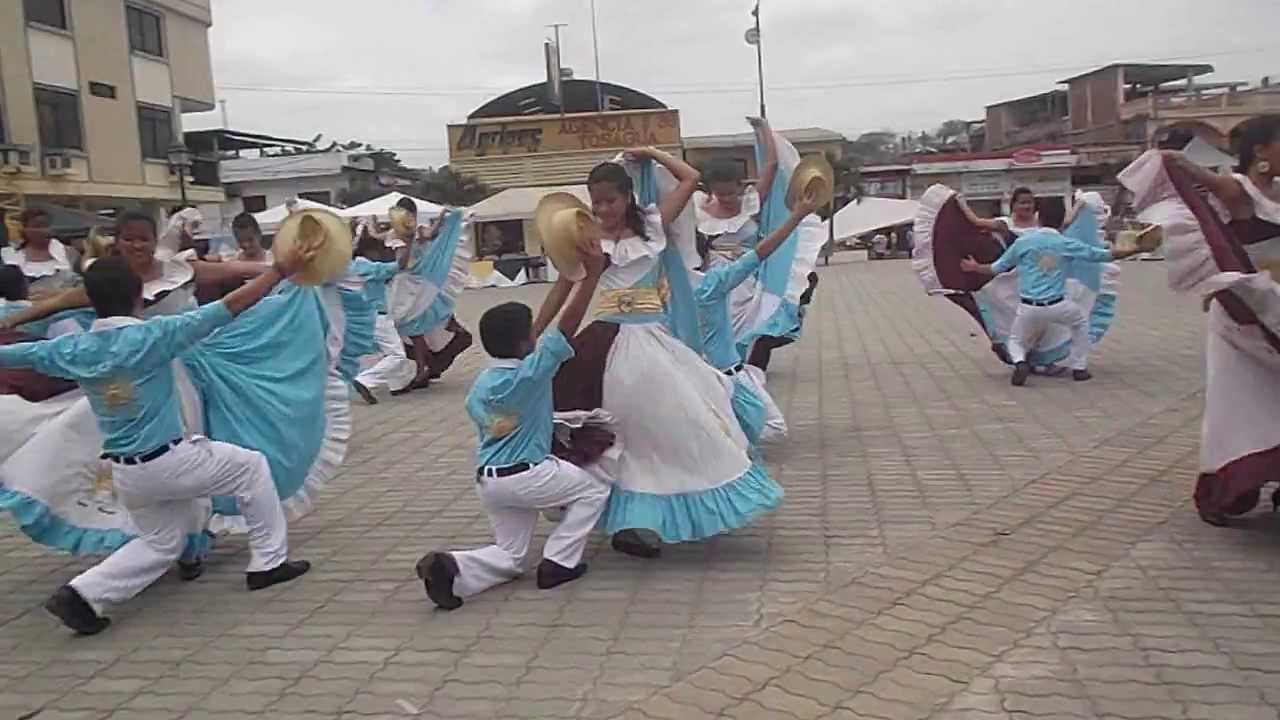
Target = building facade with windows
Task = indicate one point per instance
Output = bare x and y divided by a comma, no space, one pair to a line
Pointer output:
91,100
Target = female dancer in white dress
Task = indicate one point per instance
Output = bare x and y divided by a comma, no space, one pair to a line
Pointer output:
1235,268
682,470
42,259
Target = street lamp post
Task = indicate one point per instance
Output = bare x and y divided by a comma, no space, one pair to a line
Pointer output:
753,38
180,160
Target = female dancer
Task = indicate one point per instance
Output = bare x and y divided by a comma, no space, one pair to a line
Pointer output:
683,471
1227,265
42,259
269,382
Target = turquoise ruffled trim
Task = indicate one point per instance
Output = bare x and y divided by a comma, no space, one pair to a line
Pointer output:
784,323
697,515
749,410
39,523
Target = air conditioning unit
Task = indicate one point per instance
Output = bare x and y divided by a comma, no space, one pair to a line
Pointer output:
57,163
14,158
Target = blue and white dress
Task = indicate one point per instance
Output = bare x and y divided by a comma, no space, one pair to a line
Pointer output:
421,299
756,411
682,465
268,381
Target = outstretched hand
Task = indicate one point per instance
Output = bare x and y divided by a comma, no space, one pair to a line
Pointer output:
970,265
299,256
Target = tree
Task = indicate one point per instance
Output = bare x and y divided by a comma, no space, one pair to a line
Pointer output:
953,132
873,148
446,186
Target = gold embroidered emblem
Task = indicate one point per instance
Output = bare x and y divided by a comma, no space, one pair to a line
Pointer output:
1047,263
117,393
502,426
626,302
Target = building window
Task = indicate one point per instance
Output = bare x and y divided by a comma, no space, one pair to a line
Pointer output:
254,203
155,128
323,197
46,12
59,114
145,31
102,90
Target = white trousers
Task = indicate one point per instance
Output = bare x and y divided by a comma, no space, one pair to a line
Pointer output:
394,369
162,497
438,338
1032,321
513,503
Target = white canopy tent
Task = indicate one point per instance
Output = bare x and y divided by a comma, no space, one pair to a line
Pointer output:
871,214
269,220
519,203
380,207
1205,155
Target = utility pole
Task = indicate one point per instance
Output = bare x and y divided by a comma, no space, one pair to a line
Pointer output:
754,39
595,47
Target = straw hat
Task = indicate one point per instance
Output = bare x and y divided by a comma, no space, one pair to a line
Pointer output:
565,224
333,236
403,222
813,174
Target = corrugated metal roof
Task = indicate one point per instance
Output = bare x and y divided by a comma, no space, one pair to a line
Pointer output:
290,166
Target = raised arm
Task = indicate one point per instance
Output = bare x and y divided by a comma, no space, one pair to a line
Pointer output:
769,167
573,313
984,223
674,202
65,300
216,273
551,305
1226,188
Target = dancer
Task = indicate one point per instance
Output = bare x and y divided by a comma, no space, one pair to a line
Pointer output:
123,365
770,319
267,381
1042,259
517,476
393,370
42,259
759,417
684,471
1235,268
248,236
727,215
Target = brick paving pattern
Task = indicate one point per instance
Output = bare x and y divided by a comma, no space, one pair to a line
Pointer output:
950,547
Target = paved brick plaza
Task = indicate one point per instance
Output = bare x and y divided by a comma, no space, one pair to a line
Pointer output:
950,547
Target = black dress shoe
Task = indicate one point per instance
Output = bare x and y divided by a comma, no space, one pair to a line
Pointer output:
189,571
75,612
629,542
1081,375
365,393
438,570
1020,372
282,573
552,574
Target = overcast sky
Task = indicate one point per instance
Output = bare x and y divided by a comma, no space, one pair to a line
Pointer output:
847,65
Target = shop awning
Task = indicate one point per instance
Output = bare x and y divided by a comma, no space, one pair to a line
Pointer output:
519,203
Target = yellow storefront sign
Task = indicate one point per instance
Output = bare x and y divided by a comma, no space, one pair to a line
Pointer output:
564,133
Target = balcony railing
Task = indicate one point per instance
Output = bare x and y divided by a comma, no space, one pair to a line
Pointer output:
1192,104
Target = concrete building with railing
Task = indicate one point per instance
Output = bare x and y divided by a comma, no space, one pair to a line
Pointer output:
91,100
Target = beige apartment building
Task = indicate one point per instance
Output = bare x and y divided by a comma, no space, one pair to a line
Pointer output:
91,100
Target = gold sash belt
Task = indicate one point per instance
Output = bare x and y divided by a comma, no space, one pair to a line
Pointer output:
628,302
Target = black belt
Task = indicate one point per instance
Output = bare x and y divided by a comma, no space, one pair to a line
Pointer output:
1041,303
491,471
145,457
734,370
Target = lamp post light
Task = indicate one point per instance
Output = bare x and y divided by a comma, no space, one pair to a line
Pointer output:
180,161
753,38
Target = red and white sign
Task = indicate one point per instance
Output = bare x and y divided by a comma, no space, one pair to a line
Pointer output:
1027,156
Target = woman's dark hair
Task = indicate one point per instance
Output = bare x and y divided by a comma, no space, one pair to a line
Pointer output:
408,204
26,216
609,173
1253,133
723,172
130,216
245,221
505,328
13,284
113,288
1019,192
368,246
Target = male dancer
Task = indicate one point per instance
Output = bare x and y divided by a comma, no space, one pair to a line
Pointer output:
1041,257
123,364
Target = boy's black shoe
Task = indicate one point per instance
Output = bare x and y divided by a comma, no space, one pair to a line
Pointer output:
365,393
552,574
438,570
1081,375
189,571
75,612
1020,372
282,573
629,542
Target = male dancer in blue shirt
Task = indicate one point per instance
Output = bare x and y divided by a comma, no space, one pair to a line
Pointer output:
516,476
1041,258
123,365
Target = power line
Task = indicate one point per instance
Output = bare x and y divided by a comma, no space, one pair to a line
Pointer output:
735,89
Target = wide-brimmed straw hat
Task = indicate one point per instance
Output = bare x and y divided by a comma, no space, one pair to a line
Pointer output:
567,227
813,175
329,232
